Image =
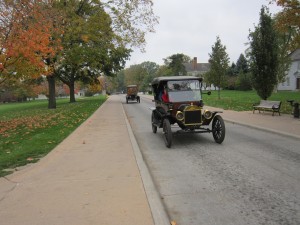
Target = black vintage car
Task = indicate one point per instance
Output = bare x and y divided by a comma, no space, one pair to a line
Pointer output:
183,106
132,93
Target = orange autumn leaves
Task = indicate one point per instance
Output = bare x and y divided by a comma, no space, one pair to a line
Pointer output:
27,36
25,125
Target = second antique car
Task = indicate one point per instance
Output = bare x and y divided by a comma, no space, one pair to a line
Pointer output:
183,105
132,93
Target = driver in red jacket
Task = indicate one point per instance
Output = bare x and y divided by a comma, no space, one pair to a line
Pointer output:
165,96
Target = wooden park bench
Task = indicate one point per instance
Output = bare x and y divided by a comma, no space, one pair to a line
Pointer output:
266,105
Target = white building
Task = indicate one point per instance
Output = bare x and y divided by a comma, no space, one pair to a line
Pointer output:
196,69
292,80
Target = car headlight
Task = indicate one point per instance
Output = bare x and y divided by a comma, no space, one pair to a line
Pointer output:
207,114
179,115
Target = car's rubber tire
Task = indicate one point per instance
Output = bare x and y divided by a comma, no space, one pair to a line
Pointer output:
218,129
167,132
154,128
126,100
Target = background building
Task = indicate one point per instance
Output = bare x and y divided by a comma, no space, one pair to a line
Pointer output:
292,81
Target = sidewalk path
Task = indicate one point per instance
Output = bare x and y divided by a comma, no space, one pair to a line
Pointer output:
92,177
284,124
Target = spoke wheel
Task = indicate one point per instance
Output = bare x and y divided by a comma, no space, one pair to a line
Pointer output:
218,129
167,133
154,128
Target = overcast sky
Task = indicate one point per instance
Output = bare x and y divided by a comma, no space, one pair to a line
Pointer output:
191,27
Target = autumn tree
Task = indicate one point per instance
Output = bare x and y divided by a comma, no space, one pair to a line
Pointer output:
24,39
28,39
176,64
219,63
263,55
288,22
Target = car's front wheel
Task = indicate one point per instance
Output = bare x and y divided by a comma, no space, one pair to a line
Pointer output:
218,129
154,128
167,133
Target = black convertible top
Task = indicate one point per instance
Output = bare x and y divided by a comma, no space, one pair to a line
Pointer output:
132,85
157,80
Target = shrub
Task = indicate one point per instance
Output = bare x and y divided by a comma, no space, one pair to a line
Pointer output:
244,82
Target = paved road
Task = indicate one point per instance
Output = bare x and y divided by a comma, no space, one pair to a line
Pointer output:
252,178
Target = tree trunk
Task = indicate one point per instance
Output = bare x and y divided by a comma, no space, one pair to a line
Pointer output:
72,92
51,85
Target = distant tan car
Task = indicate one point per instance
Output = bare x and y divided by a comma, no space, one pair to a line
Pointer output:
132,94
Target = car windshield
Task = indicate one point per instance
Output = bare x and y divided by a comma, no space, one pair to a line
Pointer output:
184,90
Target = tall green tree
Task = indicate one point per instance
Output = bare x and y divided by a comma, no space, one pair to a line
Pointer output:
176,64
129,22
120,81
134,75
263,55
141,74
242,64
243,81
232,70
90,47
163,70
219,63
150,69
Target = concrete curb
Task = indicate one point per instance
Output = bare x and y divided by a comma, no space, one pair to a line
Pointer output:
159,214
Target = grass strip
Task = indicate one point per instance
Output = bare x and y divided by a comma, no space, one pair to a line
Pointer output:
28,131
244,100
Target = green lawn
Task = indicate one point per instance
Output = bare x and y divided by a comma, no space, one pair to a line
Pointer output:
243,100
29,130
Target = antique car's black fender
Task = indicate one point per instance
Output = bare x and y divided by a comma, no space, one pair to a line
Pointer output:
162,119
208,116
158,115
